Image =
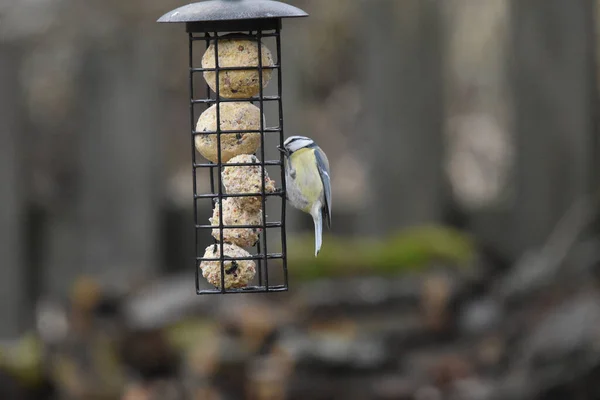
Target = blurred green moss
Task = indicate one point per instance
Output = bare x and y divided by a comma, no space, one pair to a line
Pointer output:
188,333
23,360
408,250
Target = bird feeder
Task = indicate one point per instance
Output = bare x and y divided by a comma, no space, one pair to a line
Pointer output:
230,133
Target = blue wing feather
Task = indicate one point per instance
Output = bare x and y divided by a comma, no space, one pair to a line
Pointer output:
323,166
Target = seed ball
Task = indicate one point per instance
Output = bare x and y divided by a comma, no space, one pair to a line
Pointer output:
242,116
246,180
237,273
235,215
237,53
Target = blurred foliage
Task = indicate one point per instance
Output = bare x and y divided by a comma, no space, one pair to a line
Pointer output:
23,359
409,249
187,333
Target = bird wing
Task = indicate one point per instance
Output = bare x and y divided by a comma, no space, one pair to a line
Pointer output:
323,166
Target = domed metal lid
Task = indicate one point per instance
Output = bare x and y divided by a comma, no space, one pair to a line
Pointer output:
230,10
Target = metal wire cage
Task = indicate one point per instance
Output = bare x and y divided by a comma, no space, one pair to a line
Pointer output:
211,22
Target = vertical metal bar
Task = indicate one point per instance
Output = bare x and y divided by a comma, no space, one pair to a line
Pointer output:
282,159
258,246
262,156
259,261
219,161
594,104
212,169
193,128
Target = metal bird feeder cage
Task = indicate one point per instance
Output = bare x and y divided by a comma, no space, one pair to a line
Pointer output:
234,30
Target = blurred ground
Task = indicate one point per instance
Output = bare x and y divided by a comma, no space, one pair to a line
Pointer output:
449,332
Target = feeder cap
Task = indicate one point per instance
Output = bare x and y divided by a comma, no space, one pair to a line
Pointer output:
231,10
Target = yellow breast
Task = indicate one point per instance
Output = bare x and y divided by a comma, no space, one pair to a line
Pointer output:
308,179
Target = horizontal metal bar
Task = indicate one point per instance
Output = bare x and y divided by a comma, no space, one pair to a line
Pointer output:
231,132
267,163
250,289
237,36
269,225
214,196
273,256
254,68
227,100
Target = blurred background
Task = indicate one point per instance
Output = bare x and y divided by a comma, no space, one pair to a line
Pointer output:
464,257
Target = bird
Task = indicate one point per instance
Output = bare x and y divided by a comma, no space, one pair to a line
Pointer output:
308,182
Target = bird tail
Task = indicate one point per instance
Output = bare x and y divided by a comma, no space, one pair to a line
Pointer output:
318,221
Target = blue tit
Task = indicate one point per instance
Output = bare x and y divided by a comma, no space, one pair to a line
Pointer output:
308,182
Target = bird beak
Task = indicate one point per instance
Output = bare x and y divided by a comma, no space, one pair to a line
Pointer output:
282,150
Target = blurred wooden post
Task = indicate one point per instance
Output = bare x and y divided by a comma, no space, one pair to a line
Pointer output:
403,129
12,296
552,79
479,152
111,231
121,165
